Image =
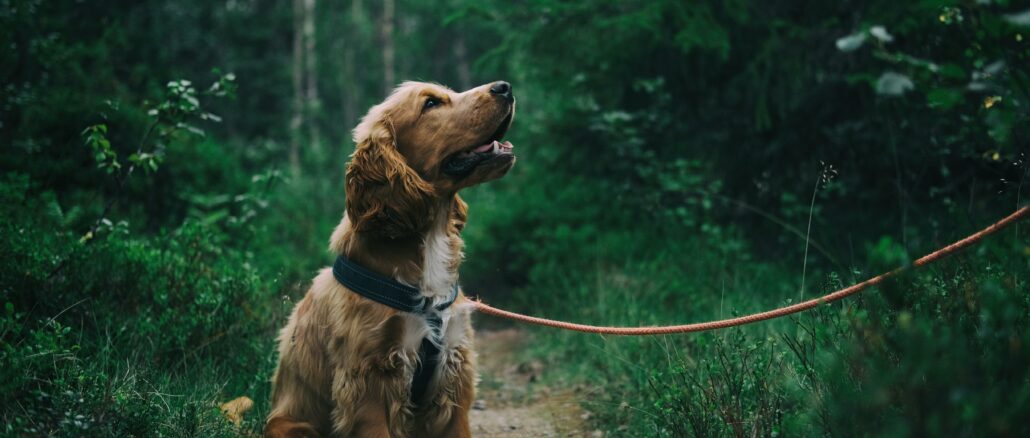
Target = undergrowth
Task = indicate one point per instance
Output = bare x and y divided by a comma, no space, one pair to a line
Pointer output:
938,351
667,155
127,336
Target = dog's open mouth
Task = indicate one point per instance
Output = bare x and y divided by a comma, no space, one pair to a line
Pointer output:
463,162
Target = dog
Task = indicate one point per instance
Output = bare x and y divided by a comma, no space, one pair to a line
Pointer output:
350,365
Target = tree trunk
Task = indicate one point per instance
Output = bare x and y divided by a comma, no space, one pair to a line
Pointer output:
386,33
462,62
297,120
350,86
312,102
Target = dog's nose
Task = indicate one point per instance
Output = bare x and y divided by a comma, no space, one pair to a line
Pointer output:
502,89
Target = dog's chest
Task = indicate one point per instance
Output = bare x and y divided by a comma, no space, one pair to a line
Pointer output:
452,332
441,254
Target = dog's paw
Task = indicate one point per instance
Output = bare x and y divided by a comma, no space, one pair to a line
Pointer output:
234,409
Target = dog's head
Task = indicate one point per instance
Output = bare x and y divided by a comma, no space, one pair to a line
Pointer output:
424,143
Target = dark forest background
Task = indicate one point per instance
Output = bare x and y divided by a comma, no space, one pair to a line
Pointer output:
172,172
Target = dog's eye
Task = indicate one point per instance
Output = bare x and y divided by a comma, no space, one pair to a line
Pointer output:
430,102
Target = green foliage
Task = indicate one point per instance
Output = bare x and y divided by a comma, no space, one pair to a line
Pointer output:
937,351
146,310
729,390
655,180
677,162
161,305
96,139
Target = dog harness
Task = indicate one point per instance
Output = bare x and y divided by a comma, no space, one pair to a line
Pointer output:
390,292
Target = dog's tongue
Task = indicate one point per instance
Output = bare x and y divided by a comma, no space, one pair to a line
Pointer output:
494,146
484,148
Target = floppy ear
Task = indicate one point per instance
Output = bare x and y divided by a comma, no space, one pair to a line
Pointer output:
384,195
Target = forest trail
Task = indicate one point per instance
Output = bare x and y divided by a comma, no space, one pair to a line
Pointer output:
510,401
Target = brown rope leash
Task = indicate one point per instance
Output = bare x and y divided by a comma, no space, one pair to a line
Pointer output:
762,316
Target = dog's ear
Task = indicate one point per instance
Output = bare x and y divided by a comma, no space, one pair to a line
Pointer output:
384,195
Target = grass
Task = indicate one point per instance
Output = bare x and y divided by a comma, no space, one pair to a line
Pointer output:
135,334
938,351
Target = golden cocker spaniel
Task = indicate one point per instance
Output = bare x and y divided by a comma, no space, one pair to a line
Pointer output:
351,366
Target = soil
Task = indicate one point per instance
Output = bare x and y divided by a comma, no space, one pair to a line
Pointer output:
512,402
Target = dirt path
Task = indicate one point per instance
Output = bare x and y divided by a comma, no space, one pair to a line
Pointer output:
512,403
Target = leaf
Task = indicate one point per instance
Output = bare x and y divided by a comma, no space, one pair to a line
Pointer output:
880,33
944,98
55,211
1019,18
952,71
215,216
950,15
1000,123
893,84
851,42
193,129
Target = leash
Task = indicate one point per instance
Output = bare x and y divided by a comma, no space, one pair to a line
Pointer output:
761,316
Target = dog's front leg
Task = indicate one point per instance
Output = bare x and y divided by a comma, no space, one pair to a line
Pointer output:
369,420
369,404
458,427
454,399
370,384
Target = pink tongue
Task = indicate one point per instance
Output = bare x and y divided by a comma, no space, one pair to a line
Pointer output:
484,148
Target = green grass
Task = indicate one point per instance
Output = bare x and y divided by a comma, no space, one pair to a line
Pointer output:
940,351
134,334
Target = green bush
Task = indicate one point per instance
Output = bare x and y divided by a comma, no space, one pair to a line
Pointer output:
99,333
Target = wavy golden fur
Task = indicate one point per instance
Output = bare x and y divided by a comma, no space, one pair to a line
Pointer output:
346,362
